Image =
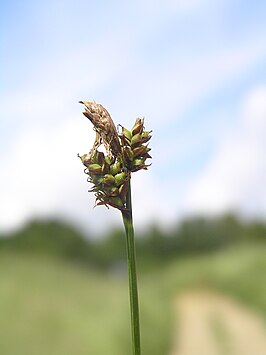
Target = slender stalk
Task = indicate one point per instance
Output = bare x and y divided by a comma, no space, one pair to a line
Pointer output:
132,274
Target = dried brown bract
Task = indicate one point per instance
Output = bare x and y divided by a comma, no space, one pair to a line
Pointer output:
106,132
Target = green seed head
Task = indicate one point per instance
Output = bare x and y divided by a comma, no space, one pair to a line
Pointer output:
126,152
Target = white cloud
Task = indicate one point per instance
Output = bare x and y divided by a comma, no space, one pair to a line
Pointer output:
164,90
235,177
42,176
156,9
55,86
185,6
154,200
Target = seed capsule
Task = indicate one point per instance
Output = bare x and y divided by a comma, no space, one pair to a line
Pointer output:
137,162
95,169
120,178
96,179
127,154
115,168
146,136
138,127
139,150
126,133
86,160
109,160
114,192
136,140
108,179
124,141
99,158
115,202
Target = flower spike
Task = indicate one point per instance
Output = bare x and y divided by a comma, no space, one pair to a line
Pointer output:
125,153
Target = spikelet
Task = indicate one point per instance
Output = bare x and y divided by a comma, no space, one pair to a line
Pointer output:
125,153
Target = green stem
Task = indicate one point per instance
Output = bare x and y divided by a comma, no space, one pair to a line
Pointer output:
132,274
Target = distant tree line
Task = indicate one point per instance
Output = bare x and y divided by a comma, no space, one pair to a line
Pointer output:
191,236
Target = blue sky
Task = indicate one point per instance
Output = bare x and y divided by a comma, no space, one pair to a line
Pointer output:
194,69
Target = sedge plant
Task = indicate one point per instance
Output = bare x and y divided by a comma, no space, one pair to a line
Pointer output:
110,175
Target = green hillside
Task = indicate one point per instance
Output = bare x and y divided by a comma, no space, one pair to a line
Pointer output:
62,295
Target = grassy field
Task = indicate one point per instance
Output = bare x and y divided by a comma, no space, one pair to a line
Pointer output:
48,306
239,272
53,307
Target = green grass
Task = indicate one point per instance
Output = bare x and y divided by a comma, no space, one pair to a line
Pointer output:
239,272
54,307
48,306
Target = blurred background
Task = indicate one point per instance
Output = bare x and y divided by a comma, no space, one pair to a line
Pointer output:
195,70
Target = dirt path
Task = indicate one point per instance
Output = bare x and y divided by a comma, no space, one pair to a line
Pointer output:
212,324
